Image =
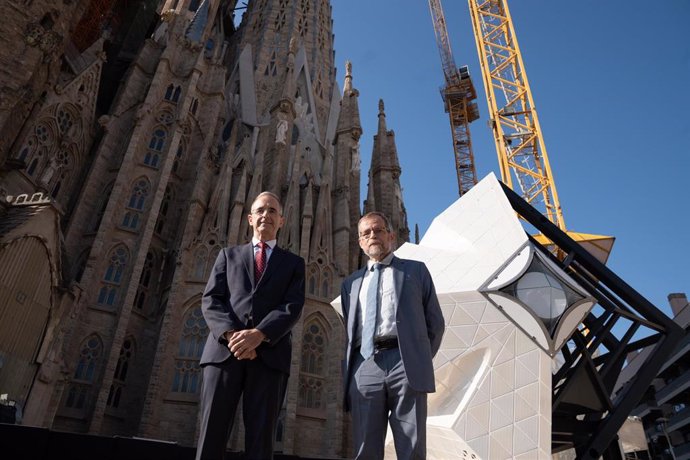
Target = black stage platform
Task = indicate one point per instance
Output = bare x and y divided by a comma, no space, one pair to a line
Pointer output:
19,442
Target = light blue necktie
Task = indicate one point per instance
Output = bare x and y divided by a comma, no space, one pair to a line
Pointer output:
369,326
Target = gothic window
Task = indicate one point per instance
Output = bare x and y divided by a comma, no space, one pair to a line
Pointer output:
194,4
271,68
169,92
144,282
200,263
280,18
163,212
36,145
58,171
65,121
110,284
259,17
194,106
120,376
176,94
42,133
153,154
312,377
166,118
187,371
27,149
302,26
32,167
84,374
136,203
305,6
326,285
312,277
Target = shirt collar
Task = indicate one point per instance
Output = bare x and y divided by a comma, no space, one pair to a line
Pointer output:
271,243
386,261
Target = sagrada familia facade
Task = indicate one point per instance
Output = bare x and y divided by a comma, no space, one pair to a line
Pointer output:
133,137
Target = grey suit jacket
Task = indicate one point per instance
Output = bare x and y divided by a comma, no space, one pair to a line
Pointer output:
419,321
232,301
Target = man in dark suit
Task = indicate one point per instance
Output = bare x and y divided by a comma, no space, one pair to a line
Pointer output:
394,328
253,298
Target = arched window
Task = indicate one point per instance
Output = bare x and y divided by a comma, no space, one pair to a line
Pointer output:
326,284
65,121
144,282
176,94
200,263
112,278
169,92
136,203
120,376
152,157
32,167
79,389
311,279
139,194
312,377
187,375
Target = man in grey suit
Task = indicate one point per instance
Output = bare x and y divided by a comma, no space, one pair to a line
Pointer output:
253,298
394,328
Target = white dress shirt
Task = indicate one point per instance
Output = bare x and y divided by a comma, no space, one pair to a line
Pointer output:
385,321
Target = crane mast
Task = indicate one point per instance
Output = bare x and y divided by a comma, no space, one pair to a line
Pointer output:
458,95
522,155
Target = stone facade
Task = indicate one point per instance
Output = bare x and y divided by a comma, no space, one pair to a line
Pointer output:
152,125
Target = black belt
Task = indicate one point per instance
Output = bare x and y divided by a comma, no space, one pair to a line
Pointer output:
385,343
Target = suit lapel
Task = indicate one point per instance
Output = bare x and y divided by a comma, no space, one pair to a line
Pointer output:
354,301
398,267
248,260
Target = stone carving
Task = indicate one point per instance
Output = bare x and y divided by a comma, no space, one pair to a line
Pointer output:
281,132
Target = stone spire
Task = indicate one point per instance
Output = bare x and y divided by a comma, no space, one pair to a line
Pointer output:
347,177
384,190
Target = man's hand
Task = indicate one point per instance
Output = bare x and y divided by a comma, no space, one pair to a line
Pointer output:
242,344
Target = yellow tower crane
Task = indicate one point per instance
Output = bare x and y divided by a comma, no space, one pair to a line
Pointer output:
519,142
522,156
458,95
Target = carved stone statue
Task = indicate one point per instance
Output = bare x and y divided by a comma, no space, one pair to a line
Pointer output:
281,132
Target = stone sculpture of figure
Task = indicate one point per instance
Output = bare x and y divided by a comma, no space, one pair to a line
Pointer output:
354,164
281,132
300,108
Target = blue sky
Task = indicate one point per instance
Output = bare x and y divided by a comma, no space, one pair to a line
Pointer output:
610,82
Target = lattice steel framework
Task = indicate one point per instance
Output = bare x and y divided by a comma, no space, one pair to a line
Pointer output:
458,95
589,405
519,142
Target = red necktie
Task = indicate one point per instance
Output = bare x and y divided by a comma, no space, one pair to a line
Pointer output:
260,261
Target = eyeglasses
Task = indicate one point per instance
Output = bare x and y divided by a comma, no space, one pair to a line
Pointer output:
367,234
262,211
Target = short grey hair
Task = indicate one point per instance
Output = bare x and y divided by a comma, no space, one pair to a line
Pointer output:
273,195
386,221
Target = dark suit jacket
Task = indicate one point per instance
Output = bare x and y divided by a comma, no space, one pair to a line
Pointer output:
231,301
419,321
